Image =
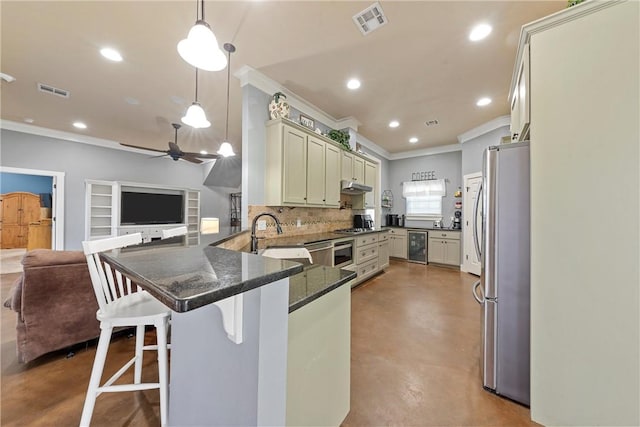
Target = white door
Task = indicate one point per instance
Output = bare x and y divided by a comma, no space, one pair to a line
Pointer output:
470,261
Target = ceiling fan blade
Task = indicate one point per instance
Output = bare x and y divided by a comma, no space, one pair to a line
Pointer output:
144,148
191,159
173,147
202,156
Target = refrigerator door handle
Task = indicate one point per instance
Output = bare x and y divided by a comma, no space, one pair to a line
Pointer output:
474,291
476,239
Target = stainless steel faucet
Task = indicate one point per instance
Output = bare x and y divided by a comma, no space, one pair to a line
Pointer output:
254,239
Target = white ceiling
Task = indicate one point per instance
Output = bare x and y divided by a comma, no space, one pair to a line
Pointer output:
420,66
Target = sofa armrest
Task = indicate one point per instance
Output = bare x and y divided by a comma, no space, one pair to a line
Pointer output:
15,295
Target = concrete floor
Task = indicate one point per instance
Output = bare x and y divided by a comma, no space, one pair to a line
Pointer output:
415,346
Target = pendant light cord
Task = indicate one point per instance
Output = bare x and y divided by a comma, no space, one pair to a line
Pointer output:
226,132
196,84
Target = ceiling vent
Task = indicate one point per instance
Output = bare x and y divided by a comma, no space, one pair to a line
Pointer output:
53,90
431,122
370,19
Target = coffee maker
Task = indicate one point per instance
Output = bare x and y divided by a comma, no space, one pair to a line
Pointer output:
363,221
393,220
456,225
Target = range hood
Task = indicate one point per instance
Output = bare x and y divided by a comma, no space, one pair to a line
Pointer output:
352,187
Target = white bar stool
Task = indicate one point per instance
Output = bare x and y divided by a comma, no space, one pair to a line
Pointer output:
120,305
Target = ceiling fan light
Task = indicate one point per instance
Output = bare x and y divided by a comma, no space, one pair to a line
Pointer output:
201,50
195,117
226,150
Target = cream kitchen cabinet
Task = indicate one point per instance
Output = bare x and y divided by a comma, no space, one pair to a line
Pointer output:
352,167
398,243
370,179
444,247
383,250
301,167
521,99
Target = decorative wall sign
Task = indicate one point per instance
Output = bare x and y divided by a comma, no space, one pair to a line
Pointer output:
307,121
423,176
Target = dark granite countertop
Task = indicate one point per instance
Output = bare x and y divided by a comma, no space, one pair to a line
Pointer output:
423,228
304,239
314,282
185,278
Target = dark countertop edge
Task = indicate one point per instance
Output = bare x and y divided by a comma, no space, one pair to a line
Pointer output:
299,304
183,305
228,235
271,242
458,230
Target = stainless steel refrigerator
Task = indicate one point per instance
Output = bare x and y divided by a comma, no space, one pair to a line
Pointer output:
504,286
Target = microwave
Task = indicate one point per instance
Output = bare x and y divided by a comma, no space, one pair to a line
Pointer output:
343,253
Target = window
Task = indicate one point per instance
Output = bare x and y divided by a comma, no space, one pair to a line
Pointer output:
424,199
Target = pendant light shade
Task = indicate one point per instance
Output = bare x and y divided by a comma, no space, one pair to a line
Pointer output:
200,48
226,149
195,117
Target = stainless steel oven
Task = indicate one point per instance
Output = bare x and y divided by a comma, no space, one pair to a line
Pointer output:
343,252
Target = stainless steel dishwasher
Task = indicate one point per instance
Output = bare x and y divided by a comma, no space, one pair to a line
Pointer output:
417,246
321,252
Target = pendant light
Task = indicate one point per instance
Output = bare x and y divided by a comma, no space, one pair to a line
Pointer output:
195,116
226,150
200,48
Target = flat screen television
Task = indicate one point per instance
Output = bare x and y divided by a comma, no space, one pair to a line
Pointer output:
137,208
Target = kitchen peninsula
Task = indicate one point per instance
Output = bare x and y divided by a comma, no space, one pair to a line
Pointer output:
231,329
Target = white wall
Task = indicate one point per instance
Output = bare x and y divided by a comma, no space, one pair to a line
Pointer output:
446,166
82,161
473,149
585,223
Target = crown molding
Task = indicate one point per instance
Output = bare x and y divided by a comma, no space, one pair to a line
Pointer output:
484,128
426,152
248,75
72,137
372,146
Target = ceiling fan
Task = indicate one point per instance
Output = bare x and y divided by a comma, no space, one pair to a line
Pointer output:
175,152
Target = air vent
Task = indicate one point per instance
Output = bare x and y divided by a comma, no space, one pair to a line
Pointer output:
53,90
431,122
370,19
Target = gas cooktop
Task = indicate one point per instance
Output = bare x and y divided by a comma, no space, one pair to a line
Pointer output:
354,230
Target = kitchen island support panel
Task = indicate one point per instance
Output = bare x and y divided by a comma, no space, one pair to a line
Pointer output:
215,382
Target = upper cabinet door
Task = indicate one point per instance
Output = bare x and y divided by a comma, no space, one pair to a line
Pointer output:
358,169
521,99
332,176
315,171
294,166
346,162
370,179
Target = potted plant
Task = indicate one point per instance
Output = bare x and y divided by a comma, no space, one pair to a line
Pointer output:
341,137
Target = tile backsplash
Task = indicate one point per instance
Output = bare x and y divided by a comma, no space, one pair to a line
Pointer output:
312,220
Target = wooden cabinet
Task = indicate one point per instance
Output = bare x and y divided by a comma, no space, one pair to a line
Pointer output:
302,169
39,235
444,247
383,250
398,243
521,100
17,211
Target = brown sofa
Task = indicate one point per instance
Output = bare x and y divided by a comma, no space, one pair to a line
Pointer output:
55,303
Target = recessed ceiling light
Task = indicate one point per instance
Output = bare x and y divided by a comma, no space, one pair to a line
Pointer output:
413,140
483,102
203,152
353,84
79,125
111,54
394,124
7,78
479,32
28,120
